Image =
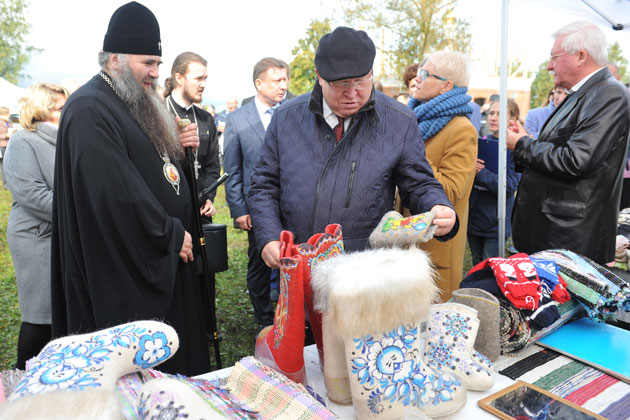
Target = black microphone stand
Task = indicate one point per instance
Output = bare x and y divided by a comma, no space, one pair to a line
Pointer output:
208,292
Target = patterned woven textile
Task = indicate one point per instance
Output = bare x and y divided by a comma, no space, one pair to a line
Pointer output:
570,379
272,395
600,291
128,388
567,310
515,332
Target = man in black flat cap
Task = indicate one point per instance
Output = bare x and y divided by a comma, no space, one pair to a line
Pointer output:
336,155
122,211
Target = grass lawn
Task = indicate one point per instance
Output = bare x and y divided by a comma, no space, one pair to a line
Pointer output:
234,310
9,309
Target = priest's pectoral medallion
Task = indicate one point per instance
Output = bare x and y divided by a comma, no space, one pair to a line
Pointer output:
172,175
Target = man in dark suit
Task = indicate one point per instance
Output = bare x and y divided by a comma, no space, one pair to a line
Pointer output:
244,134
571,185
288,95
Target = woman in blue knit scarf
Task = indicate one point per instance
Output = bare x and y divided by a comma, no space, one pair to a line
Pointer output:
442,109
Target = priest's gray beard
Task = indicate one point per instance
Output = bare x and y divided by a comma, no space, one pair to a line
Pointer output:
149,109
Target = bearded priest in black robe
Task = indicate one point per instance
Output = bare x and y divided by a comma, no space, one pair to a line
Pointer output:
122,209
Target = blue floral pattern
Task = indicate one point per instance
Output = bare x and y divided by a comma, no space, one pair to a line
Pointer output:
482,360
448,345
153,349
391,370
78,364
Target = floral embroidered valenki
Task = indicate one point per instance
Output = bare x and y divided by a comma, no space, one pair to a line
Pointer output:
391,370
372,303
320,247
281,345
98,359
451,332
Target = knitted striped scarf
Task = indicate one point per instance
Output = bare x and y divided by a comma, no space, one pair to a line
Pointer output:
432,116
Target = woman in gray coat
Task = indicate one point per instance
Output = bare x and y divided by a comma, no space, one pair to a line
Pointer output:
29,166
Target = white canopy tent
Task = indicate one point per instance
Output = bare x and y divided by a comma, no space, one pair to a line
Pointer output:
9,95
612,14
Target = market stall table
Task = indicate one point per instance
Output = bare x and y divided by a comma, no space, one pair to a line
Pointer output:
316,380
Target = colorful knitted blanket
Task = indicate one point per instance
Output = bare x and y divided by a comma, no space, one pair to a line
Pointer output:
433,115
253,391
272,395
600,291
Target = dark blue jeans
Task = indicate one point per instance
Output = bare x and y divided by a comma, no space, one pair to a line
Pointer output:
482,248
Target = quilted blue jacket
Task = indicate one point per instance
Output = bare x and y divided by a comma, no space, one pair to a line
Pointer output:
304,180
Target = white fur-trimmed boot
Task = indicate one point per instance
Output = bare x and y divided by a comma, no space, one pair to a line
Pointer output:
78,373
374,301
451,331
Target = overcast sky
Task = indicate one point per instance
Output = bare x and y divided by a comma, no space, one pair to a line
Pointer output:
233,34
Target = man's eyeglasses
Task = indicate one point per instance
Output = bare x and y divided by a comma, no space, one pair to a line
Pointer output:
554,56
423,74
357,84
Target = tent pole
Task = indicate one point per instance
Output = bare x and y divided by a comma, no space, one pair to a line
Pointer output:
503,126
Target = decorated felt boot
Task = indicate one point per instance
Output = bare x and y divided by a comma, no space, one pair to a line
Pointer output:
374,301
319,248
167,398
488,341
396,231
281,345
79,372
451,332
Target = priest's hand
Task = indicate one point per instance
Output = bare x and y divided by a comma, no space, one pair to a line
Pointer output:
445,218
271,254
188,135
208,209
244,222
186,254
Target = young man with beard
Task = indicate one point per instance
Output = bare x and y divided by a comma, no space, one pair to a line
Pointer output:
188,81
122,212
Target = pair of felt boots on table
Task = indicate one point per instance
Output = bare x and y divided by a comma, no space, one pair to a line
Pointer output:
75,377
369,306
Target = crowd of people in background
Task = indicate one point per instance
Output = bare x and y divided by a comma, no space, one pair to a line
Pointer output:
344,153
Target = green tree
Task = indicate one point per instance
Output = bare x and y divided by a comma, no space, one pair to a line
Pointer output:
14,53
542,84
410,28
303,74
615,56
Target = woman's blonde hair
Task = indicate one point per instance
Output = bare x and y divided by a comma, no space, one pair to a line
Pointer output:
39,103
451,65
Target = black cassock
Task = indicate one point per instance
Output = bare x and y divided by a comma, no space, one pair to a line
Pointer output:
118,228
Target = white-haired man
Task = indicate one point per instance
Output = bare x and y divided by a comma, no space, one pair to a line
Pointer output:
122,209
569,193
